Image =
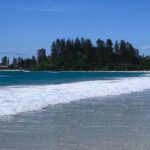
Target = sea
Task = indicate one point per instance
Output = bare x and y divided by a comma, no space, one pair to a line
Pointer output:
74,110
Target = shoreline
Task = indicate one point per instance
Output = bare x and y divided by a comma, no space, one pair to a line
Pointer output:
17,70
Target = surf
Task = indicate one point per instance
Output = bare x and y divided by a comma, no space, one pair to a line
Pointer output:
23,98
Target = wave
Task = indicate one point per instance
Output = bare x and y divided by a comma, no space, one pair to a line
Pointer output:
18,99
4,76
146,75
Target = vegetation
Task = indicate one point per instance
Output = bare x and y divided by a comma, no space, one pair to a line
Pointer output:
82,54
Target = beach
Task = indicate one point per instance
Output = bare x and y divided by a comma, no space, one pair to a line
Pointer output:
74,111
113,123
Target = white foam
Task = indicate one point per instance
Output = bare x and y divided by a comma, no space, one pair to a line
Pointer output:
3,76
17,99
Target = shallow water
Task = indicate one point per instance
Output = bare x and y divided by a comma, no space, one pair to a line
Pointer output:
110,123
43,78
74,111
19,93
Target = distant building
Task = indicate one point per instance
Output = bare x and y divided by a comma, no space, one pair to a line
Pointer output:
41,53
137,52
5,61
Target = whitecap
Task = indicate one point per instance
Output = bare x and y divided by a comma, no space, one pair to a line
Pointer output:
18,99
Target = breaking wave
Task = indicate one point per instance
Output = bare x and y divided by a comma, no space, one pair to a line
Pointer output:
18,99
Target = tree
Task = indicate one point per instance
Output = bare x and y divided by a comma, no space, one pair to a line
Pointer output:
82,54
108,53
100,51
122,51
116,47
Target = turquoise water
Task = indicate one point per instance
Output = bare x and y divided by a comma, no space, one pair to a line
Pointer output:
74,110
35,78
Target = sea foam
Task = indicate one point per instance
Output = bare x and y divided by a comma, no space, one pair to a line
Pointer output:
23,98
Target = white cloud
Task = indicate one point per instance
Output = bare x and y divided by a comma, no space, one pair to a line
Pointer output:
44,9
45,6
58,8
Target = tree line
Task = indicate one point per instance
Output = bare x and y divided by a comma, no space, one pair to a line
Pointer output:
82,54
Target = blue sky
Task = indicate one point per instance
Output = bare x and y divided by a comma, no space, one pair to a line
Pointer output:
26,25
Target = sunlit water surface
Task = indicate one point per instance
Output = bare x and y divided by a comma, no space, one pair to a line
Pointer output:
120,122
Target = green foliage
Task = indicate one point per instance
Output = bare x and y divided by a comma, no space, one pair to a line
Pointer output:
82,54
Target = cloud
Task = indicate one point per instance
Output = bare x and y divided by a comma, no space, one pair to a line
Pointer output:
50,6
56,10
145,47
40,6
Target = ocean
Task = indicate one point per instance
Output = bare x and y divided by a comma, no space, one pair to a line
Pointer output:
74,110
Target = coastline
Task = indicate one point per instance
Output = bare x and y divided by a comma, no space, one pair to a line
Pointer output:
11,70
17,70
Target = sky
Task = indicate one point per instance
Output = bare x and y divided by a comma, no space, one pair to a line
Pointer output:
26,25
